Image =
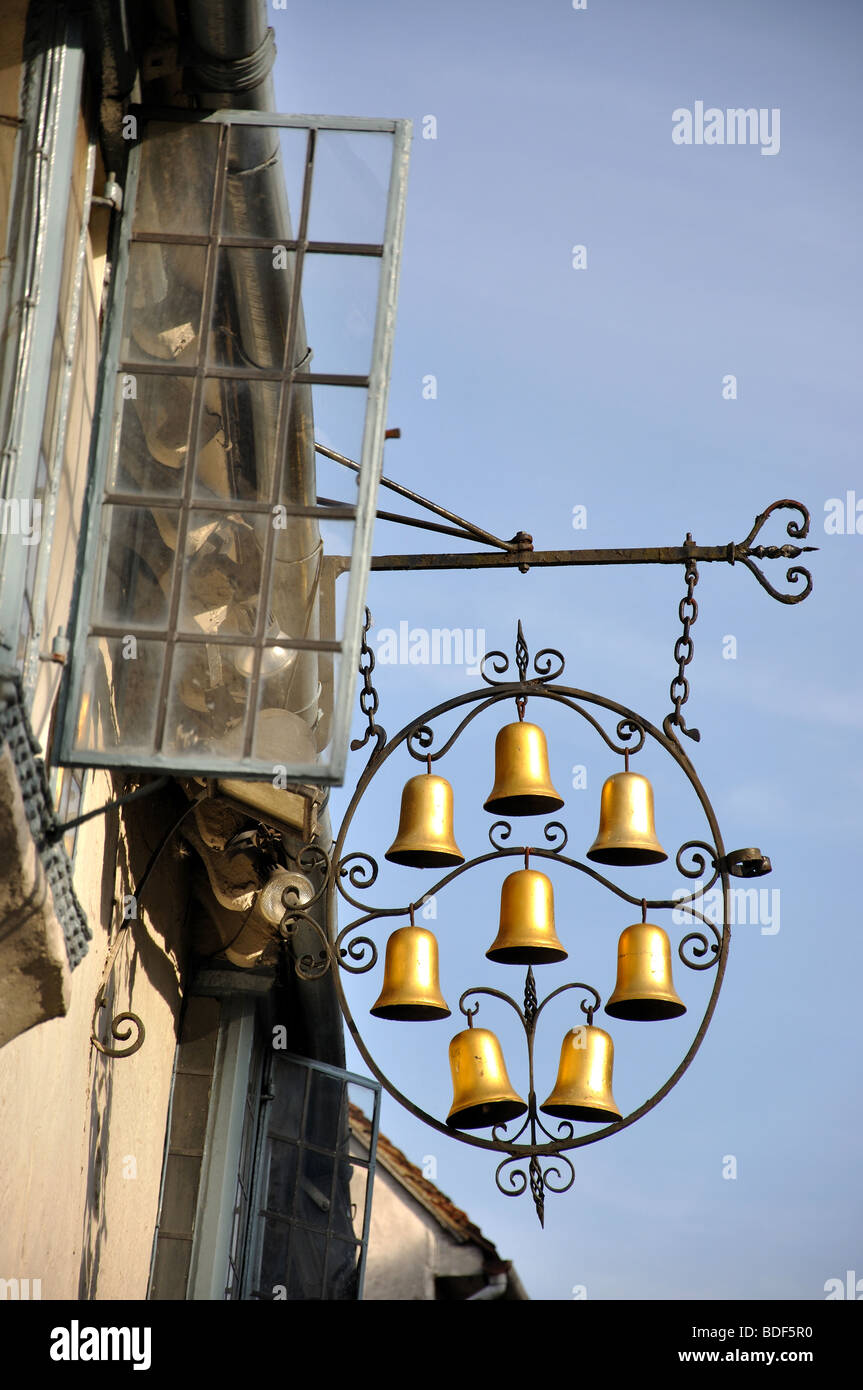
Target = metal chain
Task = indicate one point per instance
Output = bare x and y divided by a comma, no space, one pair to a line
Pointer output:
369,699
684,649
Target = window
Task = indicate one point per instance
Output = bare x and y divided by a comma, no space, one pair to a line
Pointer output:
311,1198
248,355
263,1194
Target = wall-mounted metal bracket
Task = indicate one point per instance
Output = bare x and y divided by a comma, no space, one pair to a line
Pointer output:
57,831
747,863
518,552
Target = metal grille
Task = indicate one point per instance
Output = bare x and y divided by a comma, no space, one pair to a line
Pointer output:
16,733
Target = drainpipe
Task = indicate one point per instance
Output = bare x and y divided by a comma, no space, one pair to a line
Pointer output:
229,57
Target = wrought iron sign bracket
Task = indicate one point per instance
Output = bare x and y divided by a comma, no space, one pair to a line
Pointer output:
518,552
532,1137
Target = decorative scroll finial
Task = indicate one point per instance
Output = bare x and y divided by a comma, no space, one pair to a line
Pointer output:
101,1002
798,531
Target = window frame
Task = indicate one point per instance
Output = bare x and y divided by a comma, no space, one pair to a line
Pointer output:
226,1242
332,770
37,277
260,1177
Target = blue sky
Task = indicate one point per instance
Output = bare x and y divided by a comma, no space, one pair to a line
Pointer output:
602,387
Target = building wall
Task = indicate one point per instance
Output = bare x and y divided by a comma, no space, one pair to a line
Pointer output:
81,1134
11,39
408,1247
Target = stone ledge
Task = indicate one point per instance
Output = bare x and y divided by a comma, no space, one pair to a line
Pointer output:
34,969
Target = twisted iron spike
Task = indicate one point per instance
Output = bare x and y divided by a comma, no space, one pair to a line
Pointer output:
521,653
536,1189
530,1000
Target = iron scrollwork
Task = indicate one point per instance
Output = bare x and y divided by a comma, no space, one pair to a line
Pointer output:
548,664
132,1019
534,1157
745,550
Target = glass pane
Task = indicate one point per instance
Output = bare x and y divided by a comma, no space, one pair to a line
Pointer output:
250,310
298,551
120,695
207,700
325,1109
263,163
339,301
329,666
315,1189
221,578
163,303
343,1270
286,1109
180,1197
293,1261
168,200
339,416
135,561
351,178
289,713
362,1098
150,439
358,1176
236,448
281,1188
337,538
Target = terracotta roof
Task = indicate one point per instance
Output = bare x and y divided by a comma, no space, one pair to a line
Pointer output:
451,1217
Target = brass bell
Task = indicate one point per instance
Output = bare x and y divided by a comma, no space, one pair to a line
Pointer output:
482,1091
522,780
526,935
644,989
425,838
626,830
411,990
583,1087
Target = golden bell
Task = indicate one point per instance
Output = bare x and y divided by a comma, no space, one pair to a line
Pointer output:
626,830
526,935
644,989
482,1091
411,988
583,1087
425,838
522,780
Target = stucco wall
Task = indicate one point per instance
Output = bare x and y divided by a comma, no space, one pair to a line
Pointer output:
407,1245
81,1135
